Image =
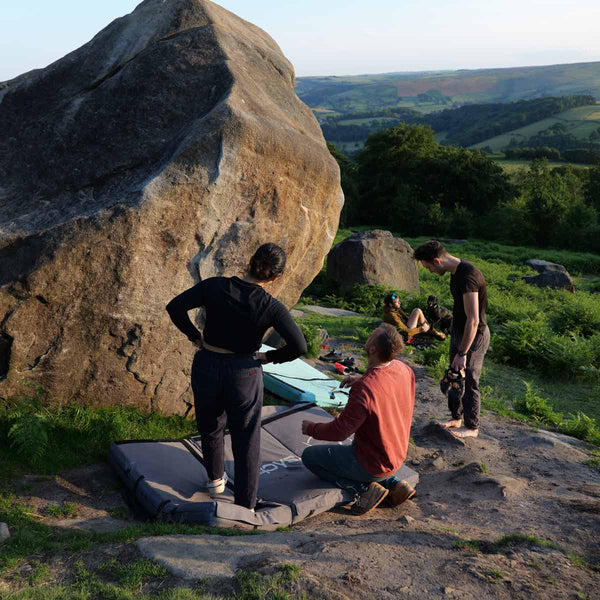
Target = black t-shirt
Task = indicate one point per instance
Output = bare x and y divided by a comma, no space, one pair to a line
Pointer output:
467,279
238,314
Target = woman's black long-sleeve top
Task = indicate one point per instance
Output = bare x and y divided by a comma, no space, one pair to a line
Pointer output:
238,314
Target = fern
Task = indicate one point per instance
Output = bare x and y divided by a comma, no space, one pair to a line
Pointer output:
29,436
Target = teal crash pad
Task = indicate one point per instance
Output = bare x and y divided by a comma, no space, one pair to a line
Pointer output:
297,381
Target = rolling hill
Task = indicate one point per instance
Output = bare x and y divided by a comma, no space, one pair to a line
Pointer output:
427,91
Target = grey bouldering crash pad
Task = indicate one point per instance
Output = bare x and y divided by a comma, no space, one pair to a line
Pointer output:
165,479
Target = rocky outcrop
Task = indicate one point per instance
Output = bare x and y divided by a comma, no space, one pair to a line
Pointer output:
375,258
551,275
163,151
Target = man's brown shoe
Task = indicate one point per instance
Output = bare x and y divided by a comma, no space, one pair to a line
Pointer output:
401,493
369,500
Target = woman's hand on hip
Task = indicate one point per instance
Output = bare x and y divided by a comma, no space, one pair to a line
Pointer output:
261,357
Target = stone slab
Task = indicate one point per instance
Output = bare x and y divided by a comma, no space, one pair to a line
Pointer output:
331,312
196,556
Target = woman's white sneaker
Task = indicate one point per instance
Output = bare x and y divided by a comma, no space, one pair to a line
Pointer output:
217,487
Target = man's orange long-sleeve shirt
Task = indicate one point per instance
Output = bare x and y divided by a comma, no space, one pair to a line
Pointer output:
379,414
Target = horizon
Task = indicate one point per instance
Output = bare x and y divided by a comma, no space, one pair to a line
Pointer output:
442,71
343,39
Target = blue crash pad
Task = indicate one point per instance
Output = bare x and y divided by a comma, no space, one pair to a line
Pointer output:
297,381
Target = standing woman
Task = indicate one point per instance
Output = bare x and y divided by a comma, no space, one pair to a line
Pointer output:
226,373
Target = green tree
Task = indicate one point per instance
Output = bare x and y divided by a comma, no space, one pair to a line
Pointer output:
348,181
388,164
547,200
591,190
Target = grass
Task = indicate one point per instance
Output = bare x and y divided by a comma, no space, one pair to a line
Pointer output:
352,329
50,439
594,463
495,574
119,512
31,537
68,509
256,586
513,541
142,579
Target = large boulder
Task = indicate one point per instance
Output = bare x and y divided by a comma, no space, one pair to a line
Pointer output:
165,150
375,258
551,275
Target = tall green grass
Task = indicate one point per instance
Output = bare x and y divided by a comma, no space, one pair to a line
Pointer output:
49,439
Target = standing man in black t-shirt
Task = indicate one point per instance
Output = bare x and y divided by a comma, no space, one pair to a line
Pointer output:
470,334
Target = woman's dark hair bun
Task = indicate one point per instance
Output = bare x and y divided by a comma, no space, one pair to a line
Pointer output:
268,261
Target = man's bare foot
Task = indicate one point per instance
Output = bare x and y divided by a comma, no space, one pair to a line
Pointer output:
452,423
465,432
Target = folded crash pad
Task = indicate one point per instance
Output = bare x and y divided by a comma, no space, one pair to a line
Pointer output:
297,381
166,479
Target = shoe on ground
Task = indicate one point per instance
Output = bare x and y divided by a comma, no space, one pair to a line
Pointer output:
401,492
215,488
332,356
369,500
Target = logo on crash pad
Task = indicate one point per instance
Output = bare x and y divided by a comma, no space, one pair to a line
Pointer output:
279,464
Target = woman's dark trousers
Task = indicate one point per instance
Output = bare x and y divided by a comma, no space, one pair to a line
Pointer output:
228,390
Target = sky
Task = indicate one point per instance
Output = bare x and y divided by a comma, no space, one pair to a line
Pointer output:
341,37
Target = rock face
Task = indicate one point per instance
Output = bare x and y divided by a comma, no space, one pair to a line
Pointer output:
375,258
165,150
551,275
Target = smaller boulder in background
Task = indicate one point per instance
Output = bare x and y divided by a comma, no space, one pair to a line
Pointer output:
374,257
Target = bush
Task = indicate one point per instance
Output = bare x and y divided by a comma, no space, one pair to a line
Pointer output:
313,339
52,438
582,427
364,299
536,407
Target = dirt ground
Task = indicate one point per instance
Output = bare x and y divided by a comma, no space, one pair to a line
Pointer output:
513,479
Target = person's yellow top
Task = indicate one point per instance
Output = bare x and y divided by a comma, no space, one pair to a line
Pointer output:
393,318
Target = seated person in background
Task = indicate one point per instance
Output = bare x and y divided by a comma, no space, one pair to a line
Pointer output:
411,325
379,414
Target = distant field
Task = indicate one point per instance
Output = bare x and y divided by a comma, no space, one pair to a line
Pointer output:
348,147
579,122
327,111
366,120
514,166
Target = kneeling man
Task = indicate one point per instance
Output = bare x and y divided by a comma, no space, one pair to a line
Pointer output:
379,414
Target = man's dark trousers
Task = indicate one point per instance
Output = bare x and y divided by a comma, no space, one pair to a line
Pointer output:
228,389
468,404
